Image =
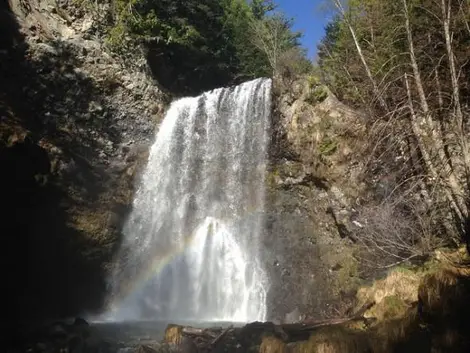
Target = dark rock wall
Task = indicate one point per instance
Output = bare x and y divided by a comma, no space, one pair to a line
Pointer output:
75,129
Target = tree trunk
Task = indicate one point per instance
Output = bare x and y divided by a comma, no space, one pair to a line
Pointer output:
440,100
451,187
375,88
414,63
460,128
250,336
454,190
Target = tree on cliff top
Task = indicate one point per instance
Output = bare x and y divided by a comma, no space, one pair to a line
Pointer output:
225,38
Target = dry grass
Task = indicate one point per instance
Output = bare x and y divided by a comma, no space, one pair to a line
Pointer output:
439,321
173,334
445,293
402,335
333,339
392,295
422,310
272,344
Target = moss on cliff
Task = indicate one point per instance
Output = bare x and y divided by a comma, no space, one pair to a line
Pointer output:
346,277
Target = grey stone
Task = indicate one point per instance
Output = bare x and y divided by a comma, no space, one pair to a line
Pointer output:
293,316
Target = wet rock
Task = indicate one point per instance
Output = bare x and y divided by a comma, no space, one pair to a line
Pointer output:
41,347
145,349
337,267
187,346
126,350
81,327
311,171
48,49
57,331
75,344
293,317
79,322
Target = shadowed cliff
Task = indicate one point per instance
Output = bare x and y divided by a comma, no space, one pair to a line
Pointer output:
68,157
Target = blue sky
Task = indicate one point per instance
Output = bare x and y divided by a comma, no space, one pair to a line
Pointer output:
310,17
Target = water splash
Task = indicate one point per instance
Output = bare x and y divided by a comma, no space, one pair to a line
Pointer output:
191,243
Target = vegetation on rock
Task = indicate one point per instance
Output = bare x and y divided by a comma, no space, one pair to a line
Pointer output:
405,65
69,119
210,43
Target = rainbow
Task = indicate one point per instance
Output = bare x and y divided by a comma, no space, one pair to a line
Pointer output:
160,261
154,267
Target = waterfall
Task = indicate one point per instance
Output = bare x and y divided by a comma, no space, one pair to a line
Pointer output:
190,248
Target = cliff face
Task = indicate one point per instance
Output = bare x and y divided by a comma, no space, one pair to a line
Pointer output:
313,186
75,124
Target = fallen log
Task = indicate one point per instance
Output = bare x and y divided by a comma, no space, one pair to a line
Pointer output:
219,337
208,340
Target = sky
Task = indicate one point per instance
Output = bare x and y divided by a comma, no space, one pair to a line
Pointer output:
310,18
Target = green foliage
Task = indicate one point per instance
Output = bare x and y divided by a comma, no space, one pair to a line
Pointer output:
169,21
116,36
260,8
328,147
394,307
239,16
274,37
317,94
313,81
216,37
405,65
380,30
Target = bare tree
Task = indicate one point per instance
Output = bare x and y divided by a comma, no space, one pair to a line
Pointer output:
459,125
412,58
271,36
429,135
400,227
340,7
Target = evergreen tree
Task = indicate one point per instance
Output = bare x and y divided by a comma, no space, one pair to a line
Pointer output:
406,63
209,41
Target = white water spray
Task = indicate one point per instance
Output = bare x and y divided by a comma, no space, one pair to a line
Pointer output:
191,243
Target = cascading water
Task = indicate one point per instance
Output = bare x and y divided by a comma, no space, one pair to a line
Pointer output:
191,243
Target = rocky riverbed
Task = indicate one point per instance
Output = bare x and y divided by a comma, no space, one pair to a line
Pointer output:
413,310
79,336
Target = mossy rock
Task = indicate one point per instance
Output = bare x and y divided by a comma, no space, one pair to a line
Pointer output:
316,94
346,275
290,169
328,147
334,339
272,177
392,307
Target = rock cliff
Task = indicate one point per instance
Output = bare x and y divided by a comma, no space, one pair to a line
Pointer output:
314,183
75,123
